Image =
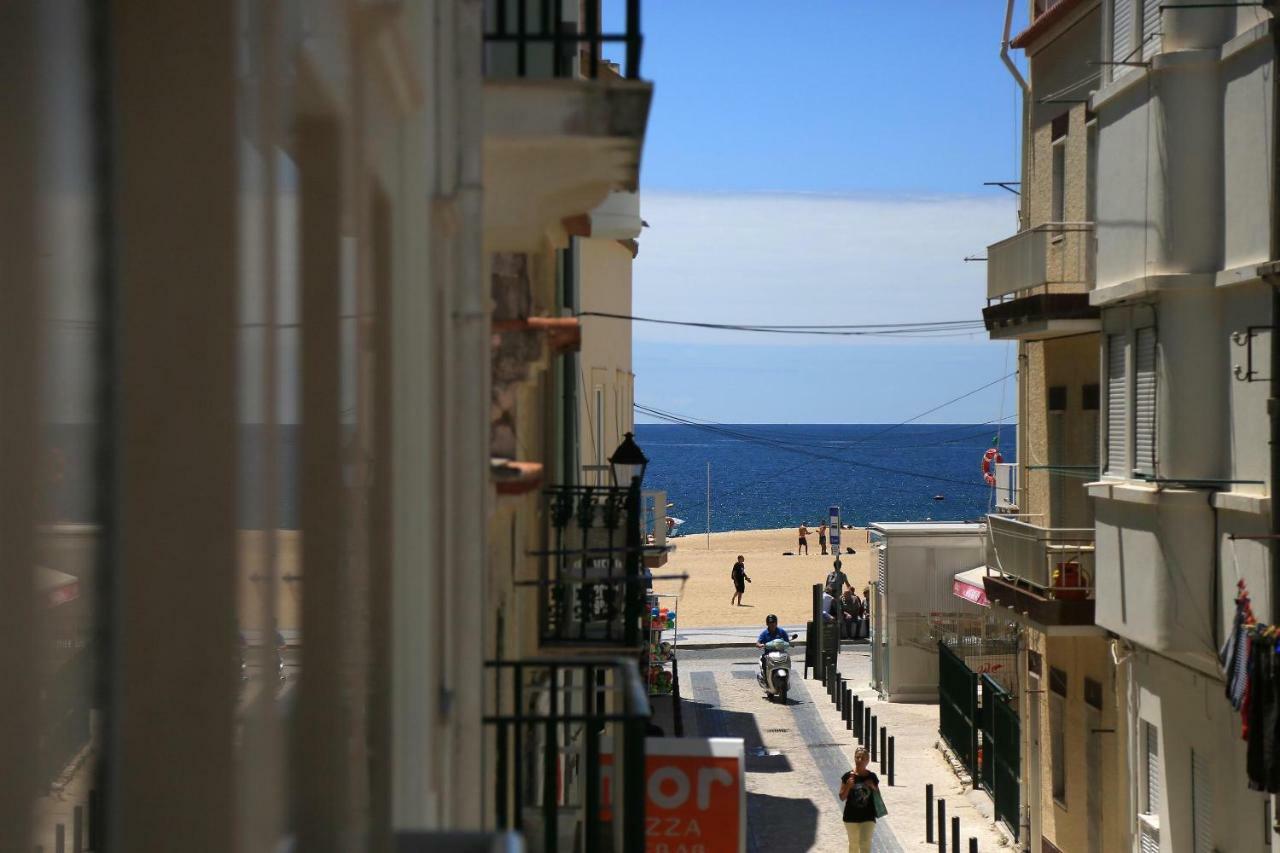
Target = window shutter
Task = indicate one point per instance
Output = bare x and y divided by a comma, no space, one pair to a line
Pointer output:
1150,28
1150,840
1152,799
1121,34
1144,402
882,560
1116,408
1201,802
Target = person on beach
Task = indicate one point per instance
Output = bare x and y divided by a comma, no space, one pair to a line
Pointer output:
740,581
822,539
858,789
804,541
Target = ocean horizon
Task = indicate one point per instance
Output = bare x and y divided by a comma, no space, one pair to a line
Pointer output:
778,475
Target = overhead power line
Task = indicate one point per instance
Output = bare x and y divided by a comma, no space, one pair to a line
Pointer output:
924,329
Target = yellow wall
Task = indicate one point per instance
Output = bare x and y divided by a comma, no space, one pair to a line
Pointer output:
605,356
1066,824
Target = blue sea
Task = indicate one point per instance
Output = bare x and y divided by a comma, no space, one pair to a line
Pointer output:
779,475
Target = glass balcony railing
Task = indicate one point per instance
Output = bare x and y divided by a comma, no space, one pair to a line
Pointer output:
1056,561
557,38
1056,257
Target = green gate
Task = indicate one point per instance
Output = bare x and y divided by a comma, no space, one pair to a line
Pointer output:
1004,753
958,707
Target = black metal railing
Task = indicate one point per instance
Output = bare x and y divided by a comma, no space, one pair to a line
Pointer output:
569,746
532,38
592,581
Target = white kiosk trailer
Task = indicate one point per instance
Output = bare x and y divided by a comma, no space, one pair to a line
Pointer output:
914,604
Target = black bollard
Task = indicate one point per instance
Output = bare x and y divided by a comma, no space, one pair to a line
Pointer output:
60,839
866,725
955,834
942,826
891,762
857,717
928,814
77,830
871,737
848,708
884,751
973,845
95,820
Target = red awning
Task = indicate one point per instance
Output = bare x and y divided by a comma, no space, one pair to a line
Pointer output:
968,585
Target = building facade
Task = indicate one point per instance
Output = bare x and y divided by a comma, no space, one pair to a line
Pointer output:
283,315
1185,112
1040,550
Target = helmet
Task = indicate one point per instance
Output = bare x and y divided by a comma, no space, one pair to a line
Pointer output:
770,618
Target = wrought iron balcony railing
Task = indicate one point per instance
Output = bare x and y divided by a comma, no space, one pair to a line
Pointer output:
592,580
1056,257
555,38
569,746
1058,561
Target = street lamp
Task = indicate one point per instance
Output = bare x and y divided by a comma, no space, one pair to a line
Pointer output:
628,462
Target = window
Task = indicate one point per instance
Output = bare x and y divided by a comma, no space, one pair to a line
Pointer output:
1117,400
1093,693
1091,171
1151,27
1201,802
1149,816
1058,202
1057,732
1144,403
1121,35
1057,398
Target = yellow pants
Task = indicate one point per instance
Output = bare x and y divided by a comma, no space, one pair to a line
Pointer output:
860,836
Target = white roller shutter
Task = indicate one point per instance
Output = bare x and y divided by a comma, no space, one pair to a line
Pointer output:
1201,802
1121,34
1117,398
1151,27
1150,840
1152,799
1144,402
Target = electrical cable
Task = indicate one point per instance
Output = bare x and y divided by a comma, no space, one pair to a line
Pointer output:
925,329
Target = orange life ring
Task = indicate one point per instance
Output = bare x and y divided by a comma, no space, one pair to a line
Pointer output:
991,457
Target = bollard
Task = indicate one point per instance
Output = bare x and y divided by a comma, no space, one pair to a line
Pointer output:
942,826
77,830
884,751
871,737
857,717
928,814
973,845
60,839
891,762
848,708
955,834
866,725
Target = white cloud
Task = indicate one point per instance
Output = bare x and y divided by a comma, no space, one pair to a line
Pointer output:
792,258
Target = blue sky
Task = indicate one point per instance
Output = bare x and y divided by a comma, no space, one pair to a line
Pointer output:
821,161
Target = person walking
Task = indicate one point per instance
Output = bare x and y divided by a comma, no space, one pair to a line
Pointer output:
822,539
860,791
740,581
804,541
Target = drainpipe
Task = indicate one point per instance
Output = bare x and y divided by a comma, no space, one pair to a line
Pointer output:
1026,104
1272,277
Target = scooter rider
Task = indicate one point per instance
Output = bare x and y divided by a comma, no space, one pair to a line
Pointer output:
770,633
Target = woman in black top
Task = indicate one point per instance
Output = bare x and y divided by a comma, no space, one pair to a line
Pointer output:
858,788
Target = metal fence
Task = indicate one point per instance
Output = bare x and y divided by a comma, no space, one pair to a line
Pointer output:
979,720
569,747
545,38
592,584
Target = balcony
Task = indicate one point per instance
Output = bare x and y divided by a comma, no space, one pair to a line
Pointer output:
592,580
1046,573
1038,283
563,126
568,738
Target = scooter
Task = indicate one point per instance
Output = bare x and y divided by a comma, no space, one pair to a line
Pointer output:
774,675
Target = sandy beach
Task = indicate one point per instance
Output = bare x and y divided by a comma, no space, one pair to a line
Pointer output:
780,584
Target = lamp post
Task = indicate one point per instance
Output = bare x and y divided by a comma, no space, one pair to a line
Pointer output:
628,464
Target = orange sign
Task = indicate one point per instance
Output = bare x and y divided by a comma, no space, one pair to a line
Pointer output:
695,795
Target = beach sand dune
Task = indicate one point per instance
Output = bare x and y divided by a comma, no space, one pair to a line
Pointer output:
780,584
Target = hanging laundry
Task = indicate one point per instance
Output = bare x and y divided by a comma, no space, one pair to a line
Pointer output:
1263,709
1234,654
